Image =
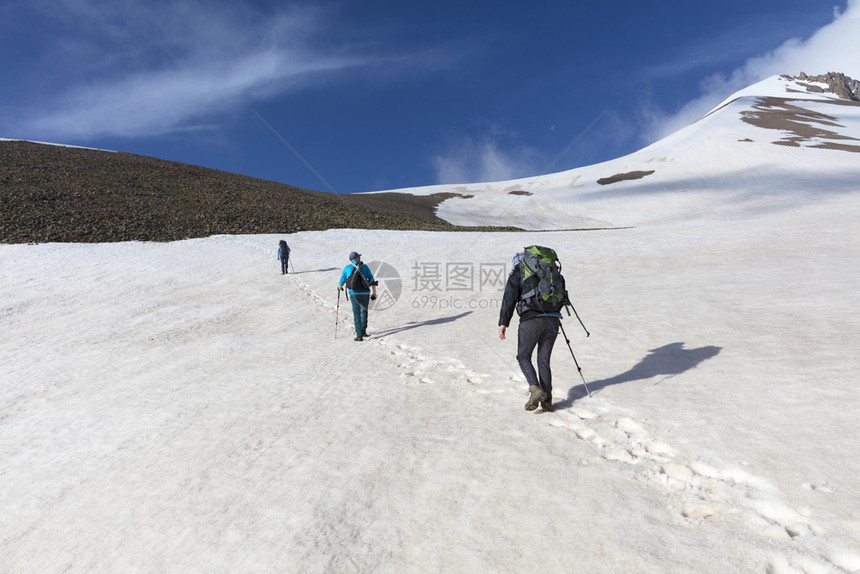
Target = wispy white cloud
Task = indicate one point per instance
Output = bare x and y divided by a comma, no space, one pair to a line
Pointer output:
833,48
161,101
137,69
469,160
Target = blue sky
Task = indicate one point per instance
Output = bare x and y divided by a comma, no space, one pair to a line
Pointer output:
360,96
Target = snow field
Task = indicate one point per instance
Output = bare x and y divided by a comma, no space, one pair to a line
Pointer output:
184,407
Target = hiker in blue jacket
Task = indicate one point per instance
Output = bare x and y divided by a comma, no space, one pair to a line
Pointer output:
284,256
361,290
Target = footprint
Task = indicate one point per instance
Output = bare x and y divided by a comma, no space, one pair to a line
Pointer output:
619,455
705,510
584,414
660,449
678,472
630,427
818,487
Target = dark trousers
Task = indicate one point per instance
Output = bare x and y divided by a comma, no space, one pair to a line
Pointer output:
539,332
285,265
360,302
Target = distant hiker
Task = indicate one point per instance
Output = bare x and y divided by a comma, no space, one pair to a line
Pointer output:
535,289
284,256
359,282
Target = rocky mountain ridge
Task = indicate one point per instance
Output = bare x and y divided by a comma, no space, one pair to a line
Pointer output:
836,83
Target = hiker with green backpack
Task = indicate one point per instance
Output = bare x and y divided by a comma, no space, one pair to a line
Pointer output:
535,289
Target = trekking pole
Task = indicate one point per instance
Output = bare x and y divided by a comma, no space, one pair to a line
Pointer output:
578,368
336,313
290,261
587,334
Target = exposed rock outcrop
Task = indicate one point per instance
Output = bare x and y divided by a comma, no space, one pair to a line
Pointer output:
837,83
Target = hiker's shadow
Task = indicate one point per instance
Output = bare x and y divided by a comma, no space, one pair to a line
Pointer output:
417,324
670,360
294,272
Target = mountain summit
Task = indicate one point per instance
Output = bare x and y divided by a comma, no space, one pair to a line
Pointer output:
781,143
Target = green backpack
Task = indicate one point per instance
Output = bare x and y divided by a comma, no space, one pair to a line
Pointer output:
542,282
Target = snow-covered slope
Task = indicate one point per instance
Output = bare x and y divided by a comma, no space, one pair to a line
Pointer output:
184,407
769,147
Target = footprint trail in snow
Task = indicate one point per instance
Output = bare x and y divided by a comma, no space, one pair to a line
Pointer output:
700,490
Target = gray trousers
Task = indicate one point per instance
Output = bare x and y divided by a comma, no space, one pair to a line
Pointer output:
539,332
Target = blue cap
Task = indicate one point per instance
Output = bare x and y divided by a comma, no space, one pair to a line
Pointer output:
354,255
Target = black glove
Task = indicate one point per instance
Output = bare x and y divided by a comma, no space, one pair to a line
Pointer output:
373,297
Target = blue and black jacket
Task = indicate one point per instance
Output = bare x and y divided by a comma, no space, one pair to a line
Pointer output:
352,268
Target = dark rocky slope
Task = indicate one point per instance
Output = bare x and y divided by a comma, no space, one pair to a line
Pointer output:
64,194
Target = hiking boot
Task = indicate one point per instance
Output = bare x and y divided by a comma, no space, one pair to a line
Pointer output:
536,395
546,404
358,339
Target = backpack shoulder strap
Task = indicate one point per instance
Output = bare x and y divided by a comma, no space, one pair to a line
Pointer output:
352,279
528,267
